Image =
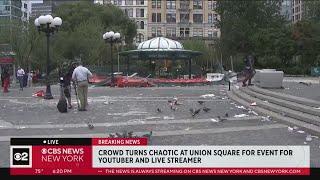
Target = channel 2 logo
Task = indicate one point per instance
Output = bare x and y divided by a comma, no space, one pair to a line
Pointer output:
20,156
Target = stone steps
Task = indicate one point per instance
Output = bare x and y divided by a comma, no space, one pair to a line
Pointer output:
279,108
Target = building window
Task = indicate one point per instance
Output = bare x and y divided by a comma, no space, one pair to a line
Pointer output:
128,2
106,1
153,31
210,18
171,18
156,17
197,32
171,4
184,18
25,6
215,34
171,32
142,25
129,12
156,4
140,2
184,32
212,4
117,2
139,38
209,33
197,4
140,13
198,18
184,4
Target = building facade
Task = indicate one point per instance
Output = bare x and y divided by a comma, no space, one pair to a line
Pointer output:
297,10
136,10
183,19
286,9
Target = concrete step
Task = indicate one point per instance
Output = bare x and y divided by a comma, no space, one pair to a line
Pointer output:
300,100
312,119
284,103
238,95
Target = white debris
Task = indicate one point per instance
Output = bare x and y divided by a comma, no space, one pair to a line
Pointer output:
176,99
241,115
240,107
20,110
290,129
4,106
295,127
265,101
214,120
60,129
207,95
21,127
300,131
253,104
237,87
318,108
309,138
252,112
168,117
265,118
305,142
107,102
187,129
140,94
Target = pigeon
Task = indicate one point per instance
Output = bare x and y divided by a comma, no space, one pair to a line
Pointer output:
147,135
173,108
196,112
221,119
124,134
119,135
191,110
201,102
205,109
90,126
130,133
111,135
227,115
159,110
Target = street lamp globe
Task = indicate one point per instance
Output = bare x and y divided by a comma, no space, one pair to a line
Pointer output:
42,20
111,34
117,35
36,22
57,21
49,18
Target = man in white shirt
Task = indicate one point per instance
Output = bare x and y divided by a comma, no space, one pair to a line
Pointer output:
81,76
20,75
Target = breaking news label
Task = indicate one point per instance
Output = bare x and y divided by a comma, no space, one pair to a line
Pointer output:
132,156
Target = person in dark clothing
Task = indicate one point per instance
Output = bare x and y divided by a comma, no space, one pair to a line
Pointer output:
67,87
2,80
249,71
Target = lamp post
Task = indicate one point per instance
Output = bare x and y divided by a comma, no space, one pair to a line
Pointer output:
111,37
48,25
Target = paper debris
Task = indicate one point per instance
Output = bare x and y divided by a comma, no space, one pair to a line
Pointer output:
207,95
241,115
253,104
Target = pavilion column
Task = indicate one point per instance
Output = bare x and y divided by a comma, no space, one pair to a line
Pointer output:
190,68
150,67
172,65
128,65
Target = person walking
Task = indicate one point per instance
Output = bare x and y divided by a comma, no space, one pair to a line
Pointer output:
6,77
30,75
67,87
81,76
248,62
20,75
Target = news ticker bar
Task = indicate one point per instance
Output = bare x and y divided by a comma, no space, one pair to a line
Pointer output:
132,156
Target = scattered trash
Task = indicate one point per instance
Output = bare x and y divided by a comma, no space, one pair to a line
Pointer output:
318,108
159,110
147,135
240,107
187,129
237,87
241,115
266,118
106,103
290,129
295,127
265,101
309,138
252,112
90,126
300,131
60,129
167,117
214,120
21,127
305,142
283,114
207,95
253,104
39,94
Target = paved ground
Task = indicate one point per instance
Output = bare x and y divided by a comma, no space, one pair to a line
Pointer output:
113,109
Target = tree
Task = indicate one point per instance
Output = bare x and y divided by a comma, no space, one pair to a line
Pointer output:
241,19
23,40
